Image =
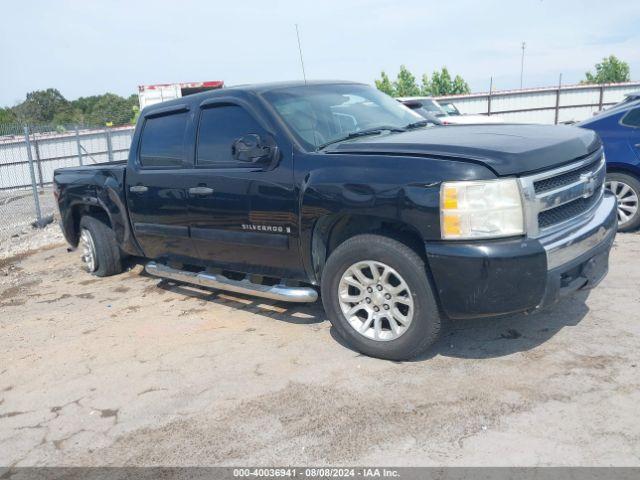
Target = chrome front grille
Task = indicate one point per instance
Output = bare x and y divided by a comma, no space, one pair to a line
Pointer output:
564,179
565,212
564,195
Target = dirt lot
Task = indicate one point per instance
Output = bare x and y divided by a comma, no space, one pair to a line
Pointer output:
132,370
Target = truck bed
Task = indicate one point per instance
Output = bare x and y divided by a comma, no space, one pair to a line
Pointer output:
100,186
118,164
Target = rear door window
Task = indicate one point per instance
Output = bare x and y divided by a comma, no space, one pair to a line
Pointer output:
162,142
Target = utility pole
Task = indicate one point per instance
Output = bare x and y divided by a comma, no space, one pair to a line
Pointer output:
304,76
524,45
558,99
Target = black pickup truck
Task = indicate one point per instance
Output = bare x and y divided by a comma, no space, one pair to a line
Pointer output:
281,190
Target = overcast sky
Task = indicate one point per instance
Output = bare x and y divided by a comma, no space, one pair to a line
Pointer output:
90,47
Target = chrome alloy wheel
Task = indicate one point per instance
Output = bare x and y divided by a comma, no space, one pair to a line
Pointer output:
375,300
88,250
627,200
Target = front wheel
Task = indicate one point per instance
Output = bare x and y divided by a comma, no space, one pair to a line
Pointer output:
377,295
626,188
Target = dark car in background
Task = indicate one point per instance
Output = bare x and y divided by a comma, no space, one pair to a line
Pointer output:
619,129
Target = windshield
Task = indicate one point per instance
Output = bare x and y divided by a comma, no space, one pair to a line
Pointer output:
321,114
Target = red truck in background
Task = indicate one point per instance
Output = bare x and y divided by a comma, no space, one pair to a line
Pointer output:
152,94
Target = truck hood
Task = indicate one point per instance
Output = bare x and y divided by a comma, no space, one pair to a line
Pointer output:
505,149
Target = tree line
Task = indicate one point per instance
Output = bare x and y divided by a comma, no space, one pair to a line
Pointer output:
49,107
610,70
406,85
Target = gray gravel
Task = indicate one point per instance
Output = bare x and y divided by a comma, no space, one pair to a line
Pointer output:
17,213
132,370
29,239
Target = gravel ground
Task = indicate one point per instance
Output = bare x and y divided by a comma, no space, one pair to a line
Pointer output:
30,239
132,370
17,213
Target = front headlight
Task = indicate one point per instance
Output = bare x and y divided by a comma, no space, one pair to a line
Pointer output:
481,209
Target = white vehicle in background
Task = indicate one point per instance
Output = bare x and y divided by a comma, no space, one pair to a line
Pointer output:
152,94
449,107
430,109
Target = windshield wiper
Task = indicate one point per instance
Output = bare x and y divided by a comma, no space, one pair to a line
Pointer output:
361,133
418,124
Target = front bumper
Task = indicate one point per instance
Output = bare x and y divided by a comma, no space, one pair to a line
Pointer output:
491,278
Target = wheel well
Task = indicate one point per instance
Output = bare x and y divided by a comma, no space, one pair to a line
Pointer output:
330,232
88,211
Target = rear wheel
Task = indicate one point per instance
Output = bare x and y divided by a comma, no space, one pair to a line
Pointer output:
100,252
626,188
378,297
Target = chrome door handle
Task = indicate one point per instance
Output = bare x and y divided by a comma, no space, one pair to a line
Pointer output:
638,145
200,191
138,189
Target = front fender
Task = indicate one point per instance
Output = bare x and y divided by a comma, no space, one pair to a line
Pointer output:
395,189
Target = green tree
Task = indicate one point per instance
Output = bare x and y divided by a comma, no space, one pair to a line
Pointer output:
134,104
42,106
425,87
405,84
442,84
610,70
67,116
110,108
439,83
50,107
7,115
136,114
85,104
385,85
459,86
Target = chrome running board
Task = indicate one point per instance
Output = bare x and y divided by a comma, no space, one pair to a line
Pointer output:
281,292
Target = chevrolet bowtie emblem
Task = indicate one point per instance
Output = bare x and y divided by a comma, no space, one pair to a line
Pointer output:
589,181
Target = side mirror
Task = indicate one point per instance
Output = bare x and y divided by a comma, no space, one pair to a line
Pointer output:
253,149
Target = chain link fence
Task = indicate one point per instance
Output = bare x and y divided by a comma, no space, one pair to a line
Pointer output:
30,154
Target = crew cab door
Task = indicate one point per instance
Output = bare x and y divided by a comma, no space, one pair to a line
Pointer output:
156,185
243,214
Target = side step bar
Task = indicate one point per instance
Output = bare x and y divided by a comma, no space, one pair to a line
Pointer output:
273,292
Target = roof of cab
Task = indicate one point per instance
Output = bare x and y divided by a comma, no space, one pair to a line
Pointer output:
249,88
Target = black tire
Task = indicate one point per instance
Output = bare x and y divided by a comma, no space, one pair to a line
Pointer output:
634,184
424,328
108,259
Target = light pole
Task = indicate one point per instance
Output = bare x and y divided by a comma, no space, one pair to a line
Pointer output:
524,45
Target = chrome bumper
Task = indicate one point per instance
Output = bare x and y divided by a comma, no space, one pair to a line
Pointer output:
565,247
